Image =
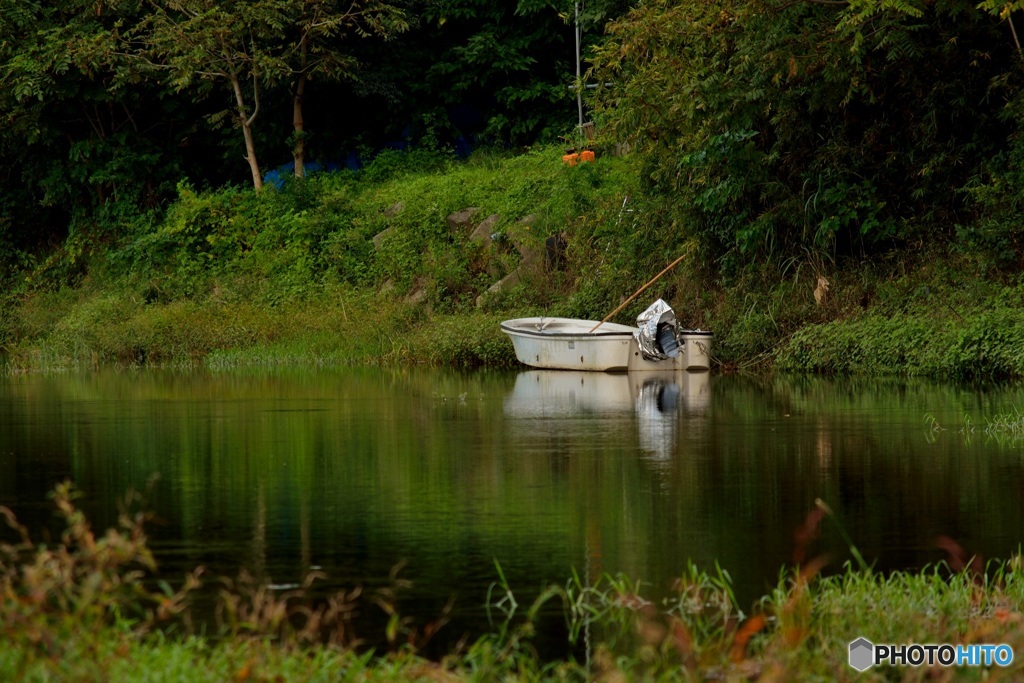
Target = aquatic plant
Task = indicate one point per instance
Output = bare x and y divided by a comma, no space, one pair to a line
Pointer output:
88,607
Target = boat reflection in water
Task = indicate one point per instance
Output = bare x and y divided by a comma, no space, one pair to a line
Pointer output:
568,393
658,400
661,399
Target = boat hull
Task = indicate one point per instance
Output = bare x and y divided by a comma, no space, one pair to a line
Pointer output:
568,344
694,354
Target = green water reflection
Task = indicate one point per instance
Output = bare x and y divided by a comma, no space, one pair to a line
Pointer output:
354,471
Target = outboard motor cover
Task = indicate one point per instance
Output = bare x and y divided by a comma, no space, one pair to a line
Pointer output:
656,333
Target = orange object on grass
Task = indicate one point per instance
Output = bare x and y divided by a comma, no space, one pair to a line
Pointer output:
571,159
586,156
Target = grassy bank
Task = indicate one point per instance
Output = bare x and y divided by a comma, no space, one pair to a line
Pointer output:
374,267
87,608
807,640
417,258
912,326
345,329
944,320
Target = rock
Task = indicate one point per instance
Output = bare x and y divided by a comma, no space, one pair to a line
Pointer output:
417,296
378,239
510,280
554,248
530,220
536,255
526,242
460,221
532,257
394,209
482,233
507,282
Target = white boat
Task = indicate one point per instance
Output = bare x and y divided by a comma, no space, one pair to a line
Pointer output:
569,344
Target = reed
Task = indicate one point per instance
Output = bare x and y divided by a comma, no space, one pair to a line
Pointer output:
86,608
329,330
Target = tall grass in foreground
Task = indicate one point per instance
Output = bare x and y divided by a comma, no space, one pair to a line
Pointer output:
87,608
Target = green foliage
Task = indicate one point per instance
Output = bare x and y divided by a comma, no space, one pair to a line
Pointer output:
83,139
266,245
464,340
998,191
224,269
364,267
390,164
985,344
109,105
808,128
257,45
59,601
500,49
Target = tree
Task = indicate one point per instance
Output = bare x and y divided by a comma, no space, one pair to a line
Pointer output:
500,69
318,49
795,127
81,129
201,44
251,46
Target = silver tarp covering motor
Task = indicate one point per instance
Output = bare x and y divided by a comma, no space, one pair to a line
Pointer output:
656,335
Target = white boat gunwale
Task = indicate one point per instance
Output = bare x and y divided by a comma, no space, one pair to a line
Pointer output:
565,327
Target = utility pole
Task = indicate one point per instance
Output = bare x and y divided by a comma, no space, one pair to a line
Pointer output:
579,79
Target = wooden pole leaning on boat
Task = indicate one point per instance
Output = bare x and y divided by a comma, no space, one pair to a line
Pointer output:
639,292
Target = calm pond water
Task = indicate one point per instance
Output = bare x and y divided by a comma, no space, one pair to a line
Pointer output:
357,470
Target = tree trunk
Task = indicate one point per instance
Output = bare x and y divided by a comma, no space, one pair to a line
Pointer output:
250,156
299,151
246,123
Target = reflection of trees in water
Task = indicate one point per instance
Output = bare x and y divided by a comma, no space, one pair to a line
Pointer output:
859,446
355,470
